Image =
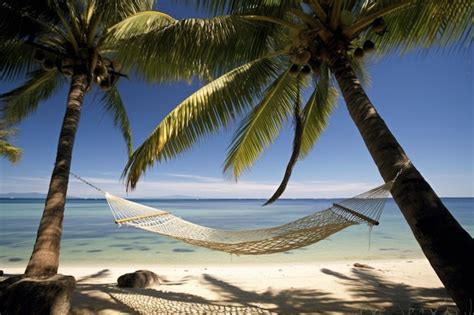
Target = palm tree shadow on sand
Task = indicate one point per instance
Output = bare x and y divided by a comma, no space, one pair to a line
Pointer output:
368,291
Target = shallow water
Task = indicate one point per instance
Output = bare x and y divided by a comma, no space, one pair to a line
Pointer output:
90,235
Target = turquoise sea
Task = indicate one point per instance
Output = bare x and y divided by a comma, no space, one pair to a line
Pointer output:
91,237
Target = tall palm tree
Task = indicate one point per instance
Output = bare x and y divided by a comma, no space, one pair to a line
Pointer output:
327,39
8,150
87,42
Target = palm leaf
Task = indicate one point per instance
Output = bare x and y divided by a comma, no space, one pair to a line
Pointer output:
18,103
114,106
12,153
210,108
297,141
260,128
15,59
317,111
190,47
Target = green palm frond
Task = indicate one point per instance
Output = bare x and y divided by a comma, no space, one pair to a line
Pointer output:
260,128
15,59
192,47
425,23
18,103
261,7
8,150
297,142
317,111
12,153
212,107
114,106
112,12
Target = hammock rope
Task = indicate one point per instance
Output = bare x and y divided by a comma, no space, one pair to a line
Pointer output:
364,208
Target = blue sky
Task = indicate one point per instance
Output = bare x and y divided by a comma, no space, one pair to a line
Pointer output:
426,100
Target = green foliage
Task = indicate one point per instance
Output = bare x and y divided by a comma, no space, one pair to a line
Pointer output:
212,107
8,150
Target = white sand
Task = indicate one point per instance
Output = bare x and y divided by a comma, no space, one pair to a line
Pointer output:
337,287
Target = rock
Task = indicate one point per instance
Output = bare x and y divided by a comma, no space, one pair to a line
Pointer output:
364,266
1,273
138,279
22,295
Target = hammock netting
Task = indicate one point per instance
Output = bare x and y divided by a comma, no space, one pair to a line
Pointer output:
364,208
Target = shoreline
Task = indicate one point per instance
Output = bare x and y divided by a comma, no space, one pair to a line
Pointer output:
338,286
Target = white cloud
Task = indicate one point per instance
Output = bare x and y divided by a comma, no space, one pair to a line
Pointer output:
199,186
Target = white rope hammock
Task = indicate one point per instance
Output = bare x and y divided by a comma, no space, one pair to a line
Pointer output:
364,208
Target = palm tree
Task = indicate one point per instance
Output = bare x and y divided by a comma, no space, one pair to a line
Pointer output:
62,42
87,42
8,150
328,39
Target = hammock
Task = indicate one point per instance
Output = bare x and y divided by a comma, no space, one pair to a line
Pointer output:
364,208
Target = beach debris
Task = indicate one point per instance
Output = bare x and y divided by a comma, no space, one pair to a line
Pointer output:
138,279
22,295
363,266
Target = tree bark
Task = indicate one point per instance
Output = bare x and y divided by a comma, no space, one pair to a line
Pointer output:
448,247
44,261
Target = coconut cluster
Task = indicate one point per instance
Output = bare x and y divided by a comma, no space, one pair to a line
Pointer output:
104,72
379,28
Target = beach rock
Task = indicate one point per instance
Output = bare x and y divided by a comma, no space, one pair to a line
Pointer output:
22,295
364,266
138,279
1,273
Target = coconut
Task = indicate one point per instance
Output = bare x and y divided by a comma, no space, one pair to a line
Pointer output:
301,58
378,26
67,71
100,69
306,70
39,55
358,53
369,46
116,66
346,18
294,70
105,84
47,65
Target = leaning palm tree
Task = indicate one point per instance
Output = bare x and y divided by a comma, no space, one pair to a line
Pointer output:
318,40
8,150
87,43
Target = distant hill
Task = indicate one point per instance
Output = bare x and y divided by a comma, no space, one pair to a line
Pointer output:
28,195
178,197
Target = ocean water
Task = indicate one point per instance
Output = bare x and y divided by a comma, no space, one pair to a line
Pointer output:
91,237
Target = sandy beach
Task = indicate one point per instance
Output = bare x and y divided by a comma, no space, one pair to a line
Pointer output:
395,286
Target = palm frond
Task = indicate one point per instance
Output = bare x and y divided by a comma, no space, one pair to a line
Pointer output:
15,59
260,128
18,103
317,111
112,12
297,140
12,153
192,47
114,106
212,107
425,23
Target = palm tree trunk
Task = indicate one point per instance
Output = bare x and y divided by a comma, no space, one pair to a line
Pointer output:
44,260
444,242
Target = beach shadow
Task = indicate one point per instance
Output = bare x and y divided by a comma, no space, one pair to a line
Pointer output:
92,298
336,274
101,274
291,301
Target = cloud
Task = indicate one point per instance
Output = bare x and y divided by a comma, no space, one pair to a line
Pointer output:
194,185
